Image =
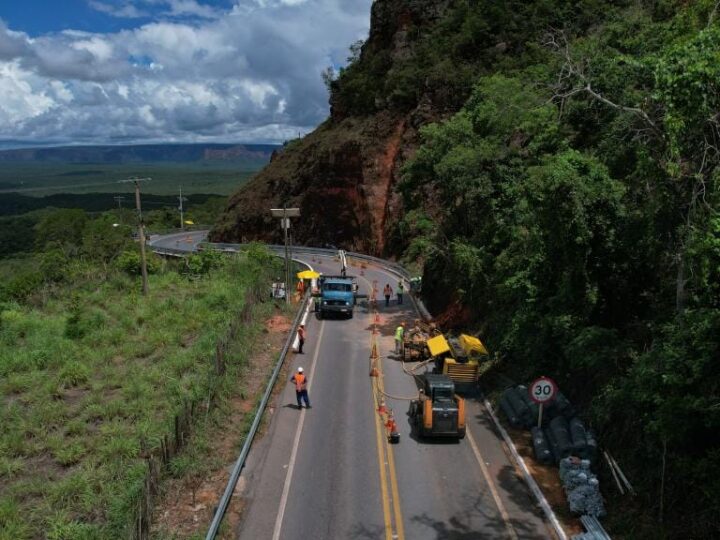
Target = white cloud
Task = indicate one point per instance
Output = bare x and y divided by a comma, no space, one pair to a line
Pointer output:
127,11
251,74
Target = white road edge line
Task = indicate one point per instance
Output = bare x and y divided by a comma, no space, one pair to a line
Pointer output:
296,444
296,341
493,489
529,480
547,509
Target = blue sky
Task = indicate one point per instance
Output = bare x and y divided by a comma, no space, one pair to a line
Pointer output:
124,71
37,17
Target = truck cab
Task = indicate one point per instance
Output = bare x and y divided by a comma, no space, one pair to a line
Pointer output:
439,412
336,294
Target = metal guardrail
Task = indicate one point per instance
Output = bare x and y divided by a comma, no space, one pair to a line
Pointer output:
240,463
278,250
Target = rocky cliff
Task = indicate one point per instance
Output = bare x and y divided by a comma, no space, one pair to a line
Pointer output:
342,176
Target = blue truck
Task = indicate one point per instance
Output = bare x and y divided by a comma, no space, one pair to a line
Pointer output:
336,295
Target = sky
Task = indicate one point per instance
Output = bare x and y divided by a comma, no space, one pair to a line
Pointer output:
153,71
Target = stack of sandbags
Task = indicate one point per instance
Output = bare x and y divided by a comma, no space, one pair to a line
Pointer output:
584,442
541,447
581,487
514,403
560,406
558,435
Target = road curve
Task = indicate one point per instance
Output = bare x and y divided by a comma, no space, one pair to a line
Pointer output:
329,473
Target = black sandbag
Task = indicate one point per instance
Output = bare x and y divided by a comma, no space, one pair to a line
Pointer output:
522,410
578,435
554,450
541,447
524,394
561,434
510,413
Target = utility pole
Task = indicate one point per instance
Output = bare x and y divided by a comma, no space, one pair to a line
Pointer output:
141,230
182,219
285,214
119,200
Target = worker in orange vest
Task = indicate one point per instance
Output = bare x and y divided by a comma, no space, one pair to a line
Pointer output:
300,381
300,288
301,338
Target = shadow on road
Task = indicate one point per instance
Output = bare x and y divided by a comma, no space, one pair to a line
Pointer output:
465,525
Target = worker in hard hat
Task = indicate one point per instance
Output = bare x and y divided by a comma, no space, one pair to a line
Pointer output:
300,381
399,335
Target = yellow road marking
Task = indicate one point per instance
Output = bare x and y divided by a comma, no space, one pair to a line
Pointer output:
383,441
383,479
399,527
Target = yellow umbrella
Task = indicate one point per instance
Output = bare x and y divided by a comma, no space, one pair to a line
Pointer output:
307,274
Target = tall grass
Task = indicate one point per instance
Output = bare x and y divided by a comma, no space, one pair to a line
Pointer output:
92,377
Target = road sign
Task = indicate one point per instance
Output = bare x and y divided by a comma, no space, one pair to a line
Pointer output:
285,212
543,390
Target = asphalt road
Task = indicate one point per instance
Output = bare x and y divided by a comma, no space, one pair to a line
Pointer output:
329,473
184,241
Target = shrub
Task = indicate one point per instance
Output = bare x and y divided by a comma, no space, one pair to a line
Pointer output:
73,374
129,262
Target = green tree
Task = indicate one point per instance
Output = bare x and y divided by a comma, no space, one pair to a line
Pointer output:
62,228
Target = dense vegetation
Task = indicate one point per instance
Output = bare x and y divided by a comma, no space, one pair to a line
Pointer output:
572,204
92,372
24,234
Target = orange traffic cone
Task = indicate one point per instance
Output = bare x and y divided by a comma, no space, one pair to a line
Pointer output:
381,408
393,434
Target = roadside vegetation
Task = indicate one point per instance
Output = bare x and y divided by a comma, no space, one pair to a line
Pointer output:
92,373
569,212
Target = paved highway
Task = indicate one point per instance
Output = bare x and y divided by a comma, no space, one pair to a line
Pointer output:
329,472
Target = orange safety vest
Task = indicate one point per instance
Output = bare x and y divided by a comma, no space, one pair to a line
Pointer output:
300,287
299,379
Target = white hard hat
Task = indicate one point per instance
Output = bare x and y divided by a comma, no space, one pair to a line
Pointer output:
300,370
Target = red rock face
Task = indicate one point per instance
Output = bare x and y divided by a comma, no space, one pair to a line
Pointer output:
342,178
343,175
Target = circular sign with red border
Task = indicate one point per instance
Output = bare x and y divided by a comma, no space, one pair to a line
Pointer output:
543,390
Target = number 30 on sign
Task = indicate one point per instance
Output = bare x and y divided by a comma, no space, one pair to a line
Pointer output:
543,390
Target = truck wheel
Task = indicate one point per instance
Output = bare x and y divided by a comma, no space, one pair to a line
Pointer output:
350,315
461,434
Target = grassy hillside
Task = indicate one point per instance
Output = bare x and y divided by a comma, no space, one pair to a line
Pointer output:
91,376
41,179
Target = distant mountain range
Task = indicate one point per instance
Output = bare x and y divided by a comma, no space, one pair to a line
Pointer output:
143,153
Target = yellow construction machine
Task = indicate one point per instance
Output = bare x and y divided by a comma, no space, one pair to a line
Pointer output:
459,358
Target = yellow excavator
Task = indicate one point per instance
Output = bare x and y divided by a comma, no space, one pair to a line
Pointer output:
459,358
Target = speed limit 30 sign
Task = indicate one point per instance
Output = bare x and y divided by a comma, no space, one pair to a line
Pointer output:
543,390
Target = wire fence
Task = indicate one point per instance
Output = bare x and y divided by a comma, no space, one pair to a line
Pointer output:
189,410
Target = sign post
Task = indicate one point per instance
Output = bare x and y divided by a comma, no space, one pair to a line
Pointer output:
542,390
285,214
